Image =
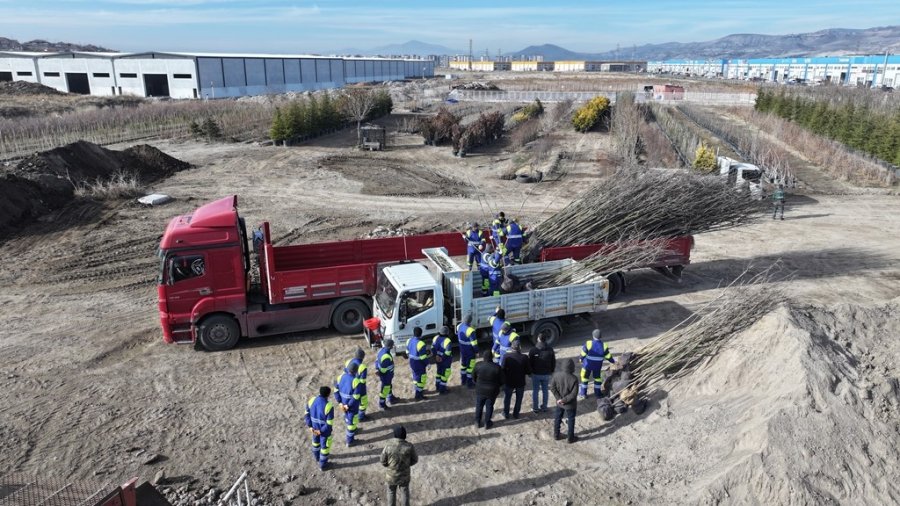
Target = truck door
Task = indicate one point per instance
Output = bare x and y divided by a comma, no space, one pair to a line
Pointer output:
187,281
417,309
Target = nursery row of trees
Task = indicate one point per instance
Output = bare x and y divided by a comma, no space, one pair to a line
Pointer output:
316,115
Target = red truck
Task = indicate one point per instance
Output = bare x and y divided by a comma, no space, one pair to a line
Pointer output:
206,296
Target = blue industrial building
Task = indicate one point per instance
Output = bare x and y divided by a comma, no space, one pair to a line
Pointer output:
868,71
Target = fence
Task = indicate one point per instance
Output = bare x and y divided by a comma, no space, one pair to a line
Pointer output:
703,98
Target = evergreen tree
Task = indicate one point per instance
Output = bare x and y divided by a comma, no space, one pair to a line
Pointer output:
278,130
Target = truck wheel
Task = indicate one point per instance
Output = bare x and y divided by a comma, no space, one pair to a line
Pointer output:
550,327
615,285
219,332
348,317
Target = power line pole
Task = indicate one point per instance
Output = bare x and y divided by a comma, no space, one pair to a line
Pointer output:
470,54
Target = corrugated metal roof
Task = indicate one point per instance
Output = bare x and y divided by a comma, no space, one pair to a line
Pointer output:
411,275
180,54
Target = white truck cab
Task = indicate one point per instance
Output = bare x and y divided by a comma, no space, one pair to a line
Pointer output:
742,175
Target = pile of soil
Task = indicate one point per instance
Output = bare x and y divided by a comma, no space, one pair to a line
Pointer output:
26,88
802,408
47,180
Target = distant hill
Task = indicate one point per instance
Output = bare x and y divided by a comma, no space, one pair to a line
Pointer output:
830,42
51,47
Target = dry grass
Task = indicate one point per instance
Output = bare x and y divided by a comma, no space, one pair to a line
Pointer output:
120,186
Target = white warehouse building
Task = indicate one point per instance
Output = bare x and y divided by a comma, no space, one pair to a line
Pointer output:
200,75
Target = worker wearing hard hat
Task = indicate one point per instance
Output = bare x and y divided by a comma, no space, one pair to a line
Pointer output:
443,358
593,353
505,339
384,367
362,373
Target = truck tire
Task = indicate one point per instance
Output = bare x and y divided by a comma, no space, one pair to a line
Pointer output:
219,332
551,327
348,317
616,280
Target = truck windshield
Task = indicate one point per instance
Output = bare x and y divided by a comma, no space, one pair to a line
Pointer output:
385,295
161,275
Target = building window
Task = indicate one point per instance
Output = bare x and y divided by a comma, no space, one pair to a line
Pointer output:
127,75
101,74
51,74
182,76
21,73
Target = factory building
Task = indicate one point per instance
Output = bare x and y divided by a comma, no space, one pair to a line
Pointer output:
867,71
200,75
540,65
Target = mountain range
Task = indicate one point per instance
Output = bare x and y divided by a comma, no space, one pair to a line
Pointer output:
50,47
830,42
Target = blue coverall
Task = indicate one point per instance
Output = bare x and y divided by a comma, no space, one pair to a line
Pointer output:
320,418
347,394
384,367
443,358
468,352
593,353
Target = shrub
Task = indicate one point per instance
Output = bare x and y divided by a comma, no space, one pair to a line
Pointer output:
588,115
438,129
484,130
704,159
532,110
120,186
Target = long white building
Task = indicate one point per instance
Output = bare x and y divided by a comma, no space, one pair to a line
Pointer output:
200,75
868,71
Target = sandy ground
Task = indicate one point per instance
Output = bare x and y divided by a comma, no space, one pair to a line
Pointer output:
89,390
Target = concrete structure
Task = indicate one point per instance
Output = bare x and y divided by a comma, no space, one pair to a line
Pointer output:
200,75
868,71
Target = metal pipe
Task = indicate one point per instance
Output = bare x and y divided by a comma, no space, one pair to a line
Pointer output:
234,487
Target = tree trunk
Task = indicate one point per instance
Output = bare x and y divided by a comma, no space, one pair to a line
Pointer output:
358,133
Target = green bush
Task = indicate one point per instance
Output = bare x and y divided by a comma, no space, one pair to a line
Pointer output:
532,110
588,115
704,159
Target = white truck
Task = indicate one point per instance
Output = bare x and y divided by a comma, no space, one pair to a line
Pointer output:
742,175
411,295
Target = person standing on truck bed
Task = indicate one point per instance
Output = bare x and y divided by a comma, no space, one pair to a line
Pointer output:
593,353
484,268
515,238
443,358
384,367
498,233
495,275
467,337
419,356
473,239
320,420
361,375
348,396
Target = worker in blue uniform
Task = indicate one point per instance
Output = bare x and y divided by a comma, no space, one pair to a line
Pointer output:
498,233
362,374
419,356
495,275
384,368
473,239
348,396
467,337
484,268
496,321
515,238
508,335
593,353
320,420
443,359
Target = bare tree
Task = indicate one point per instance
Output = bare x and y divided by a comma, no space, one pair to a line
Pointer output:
358,104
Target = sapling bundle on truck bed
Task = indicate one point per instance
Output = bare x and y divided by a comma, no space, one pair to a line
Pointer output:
645,204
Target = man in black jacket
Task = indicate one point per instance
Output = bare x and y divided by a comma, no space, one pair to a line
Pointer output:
515,368
542,360
488,379
564,386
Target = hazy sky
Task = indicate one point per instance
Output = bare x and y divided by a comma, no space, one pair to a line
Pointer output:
324,26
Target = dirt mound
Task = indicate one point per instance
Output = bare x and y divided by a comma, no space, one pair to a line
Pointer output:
26,88
799,409
47,180
383,176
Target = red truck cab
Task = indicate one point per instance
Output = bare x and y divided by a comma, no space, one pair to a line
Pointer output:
205,271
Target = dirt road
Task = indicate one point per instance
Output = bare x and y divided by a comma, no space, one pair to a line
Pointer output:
88,388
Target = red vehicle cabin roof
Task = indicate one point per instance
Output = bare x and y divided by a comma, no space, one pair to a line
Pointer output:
213,223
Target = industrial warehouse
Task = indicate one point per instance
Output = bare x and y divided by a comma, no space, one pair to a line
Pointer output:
200,75
867,71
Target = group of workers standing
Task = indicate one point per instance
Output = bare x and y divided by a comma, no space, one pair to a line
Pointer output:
504,248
